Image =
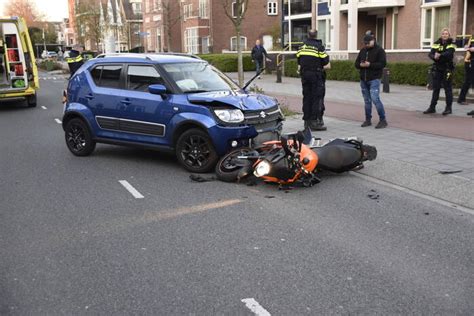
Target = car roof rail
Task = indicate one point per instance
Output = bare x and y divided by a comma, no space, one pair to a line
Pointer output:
130,55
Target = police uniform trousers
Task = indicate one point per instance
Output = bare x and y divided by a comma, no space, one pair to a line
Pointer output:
442,79
313,91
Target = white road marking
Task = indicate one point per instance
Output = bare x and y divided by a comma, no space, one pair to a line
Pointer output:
416,193
255,307
131,189
43,107
58,121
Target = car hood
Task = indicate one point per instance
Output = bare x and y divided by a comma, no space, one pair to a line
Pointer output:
242,101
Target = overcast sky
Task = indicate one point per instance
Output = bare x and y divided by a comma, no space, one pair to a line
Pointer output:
55,10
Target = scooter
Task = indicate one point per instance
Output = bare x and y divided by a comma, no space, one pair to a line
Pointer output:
294,159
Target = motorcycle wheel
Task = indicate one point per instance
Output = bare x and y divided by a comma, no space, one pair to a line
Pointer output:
229,166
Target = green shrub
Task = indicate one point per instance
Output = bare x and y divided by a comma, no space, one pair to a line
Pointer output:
410,73
228,62
49,65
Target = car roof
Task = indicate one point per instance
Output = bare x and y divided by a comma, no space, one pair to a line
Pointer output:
150,58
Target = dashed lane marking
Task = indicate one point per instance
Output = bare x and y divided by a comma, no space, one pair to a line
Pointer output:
255,307
131,189
43,107
58,121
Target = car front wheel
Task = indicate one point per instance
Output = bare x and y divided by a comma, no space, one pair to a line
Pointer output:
195,151
78,138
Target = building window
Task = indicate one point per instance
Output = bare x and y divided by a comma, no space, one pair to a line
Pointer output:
272,8
233,43
324,32
137,7
204,9
234,9
158,40
188,11
191,40
156,5
433,20
394,31
205,45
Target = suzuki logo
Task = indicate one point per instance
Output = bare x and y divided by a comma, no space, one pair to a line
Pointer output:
262,114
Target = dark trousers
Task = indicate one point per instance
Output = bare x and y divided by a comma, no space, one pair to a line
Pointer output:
441,80
313,90
468,81
258,65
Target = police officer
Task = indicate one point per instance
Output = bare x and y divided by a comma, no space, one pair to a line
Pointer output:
442,53
74,59
469,72
312,60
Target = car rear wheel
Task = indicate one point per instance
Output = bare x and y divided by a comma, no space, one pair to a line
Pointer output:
78,138
195,151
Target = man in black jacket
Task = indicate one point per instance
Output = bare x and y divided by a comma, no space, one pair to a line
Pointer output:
258,53
442,53
370,62
312,61
469,72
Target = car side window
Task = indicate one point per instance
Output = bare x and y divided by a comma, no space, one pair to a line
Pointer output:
96,73
140,77
110,77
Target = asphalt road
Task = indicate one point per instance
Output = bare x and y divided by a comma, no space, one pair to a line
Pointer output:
74,241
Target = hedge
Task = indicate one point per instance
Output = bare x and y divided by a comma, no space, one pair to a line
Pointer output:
49,65
410,73
228,62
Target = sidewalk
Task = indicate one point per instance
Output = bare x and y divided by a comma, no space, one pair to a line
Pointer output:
411,151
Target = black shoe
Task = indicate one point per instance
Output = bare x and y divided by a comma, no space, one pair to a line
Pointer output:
307,124
382,124
471,113
463,103
320,128
366,123
430,110
447,111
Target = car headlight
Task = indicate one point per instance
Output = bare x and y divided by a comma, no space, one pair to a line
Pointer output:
230,116
262,169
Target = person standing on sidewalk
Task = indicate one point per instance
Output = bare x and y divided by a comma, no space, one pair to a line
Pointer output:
371,62
312,60
469,72
258,53
442,53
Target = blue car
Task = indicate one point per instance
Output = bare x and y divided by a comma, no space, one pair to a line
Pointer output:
169,102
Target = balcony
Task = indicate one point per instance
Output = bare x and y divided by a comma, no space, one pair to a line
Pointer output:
374,4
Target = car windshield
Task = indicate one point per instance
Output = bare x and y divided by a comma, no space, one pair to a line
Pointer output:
194,77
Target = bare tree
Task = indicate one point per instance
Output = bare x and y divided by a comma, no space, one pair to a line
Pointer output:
235,10
171,16
26,9
88,26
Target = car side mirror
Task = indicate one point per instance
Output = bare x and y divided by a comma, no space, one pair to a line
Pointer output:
157,89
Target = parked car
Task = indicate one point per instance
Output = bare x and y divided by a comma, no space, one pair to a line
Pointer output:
169,102
49,55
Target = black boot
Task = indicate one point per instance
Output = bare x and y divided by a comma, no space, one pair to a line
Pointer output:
316,125
307,123
430,110
447,110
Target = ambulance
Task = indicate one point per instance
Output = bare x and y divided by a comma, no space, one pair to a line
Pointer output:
18,72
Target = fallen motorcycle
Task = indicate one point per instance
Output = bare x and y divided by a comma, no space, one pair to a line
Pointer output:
294,159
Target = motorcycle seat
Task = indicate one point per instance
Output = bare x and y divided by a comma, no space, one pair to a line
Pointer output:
338,157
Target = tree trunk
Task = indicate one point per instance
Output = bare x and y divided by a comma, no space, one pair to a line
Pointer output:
240,64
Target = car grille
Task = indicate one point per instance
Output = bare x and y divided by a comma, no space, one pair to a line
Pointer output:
262,116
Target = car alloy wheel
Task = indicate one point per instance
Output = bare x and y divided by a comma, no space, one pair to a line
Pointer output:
195,151
78,138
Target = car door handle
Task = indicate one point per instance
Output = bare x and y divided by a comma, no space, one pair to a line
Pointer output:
126,102
89,96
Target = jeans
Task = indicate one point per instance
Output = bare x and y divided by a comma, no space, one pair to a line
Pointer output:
370,92
258,65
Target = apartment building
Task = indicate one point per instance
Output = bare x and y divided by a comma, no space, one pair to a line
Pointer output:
398,24
206,28
162,25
